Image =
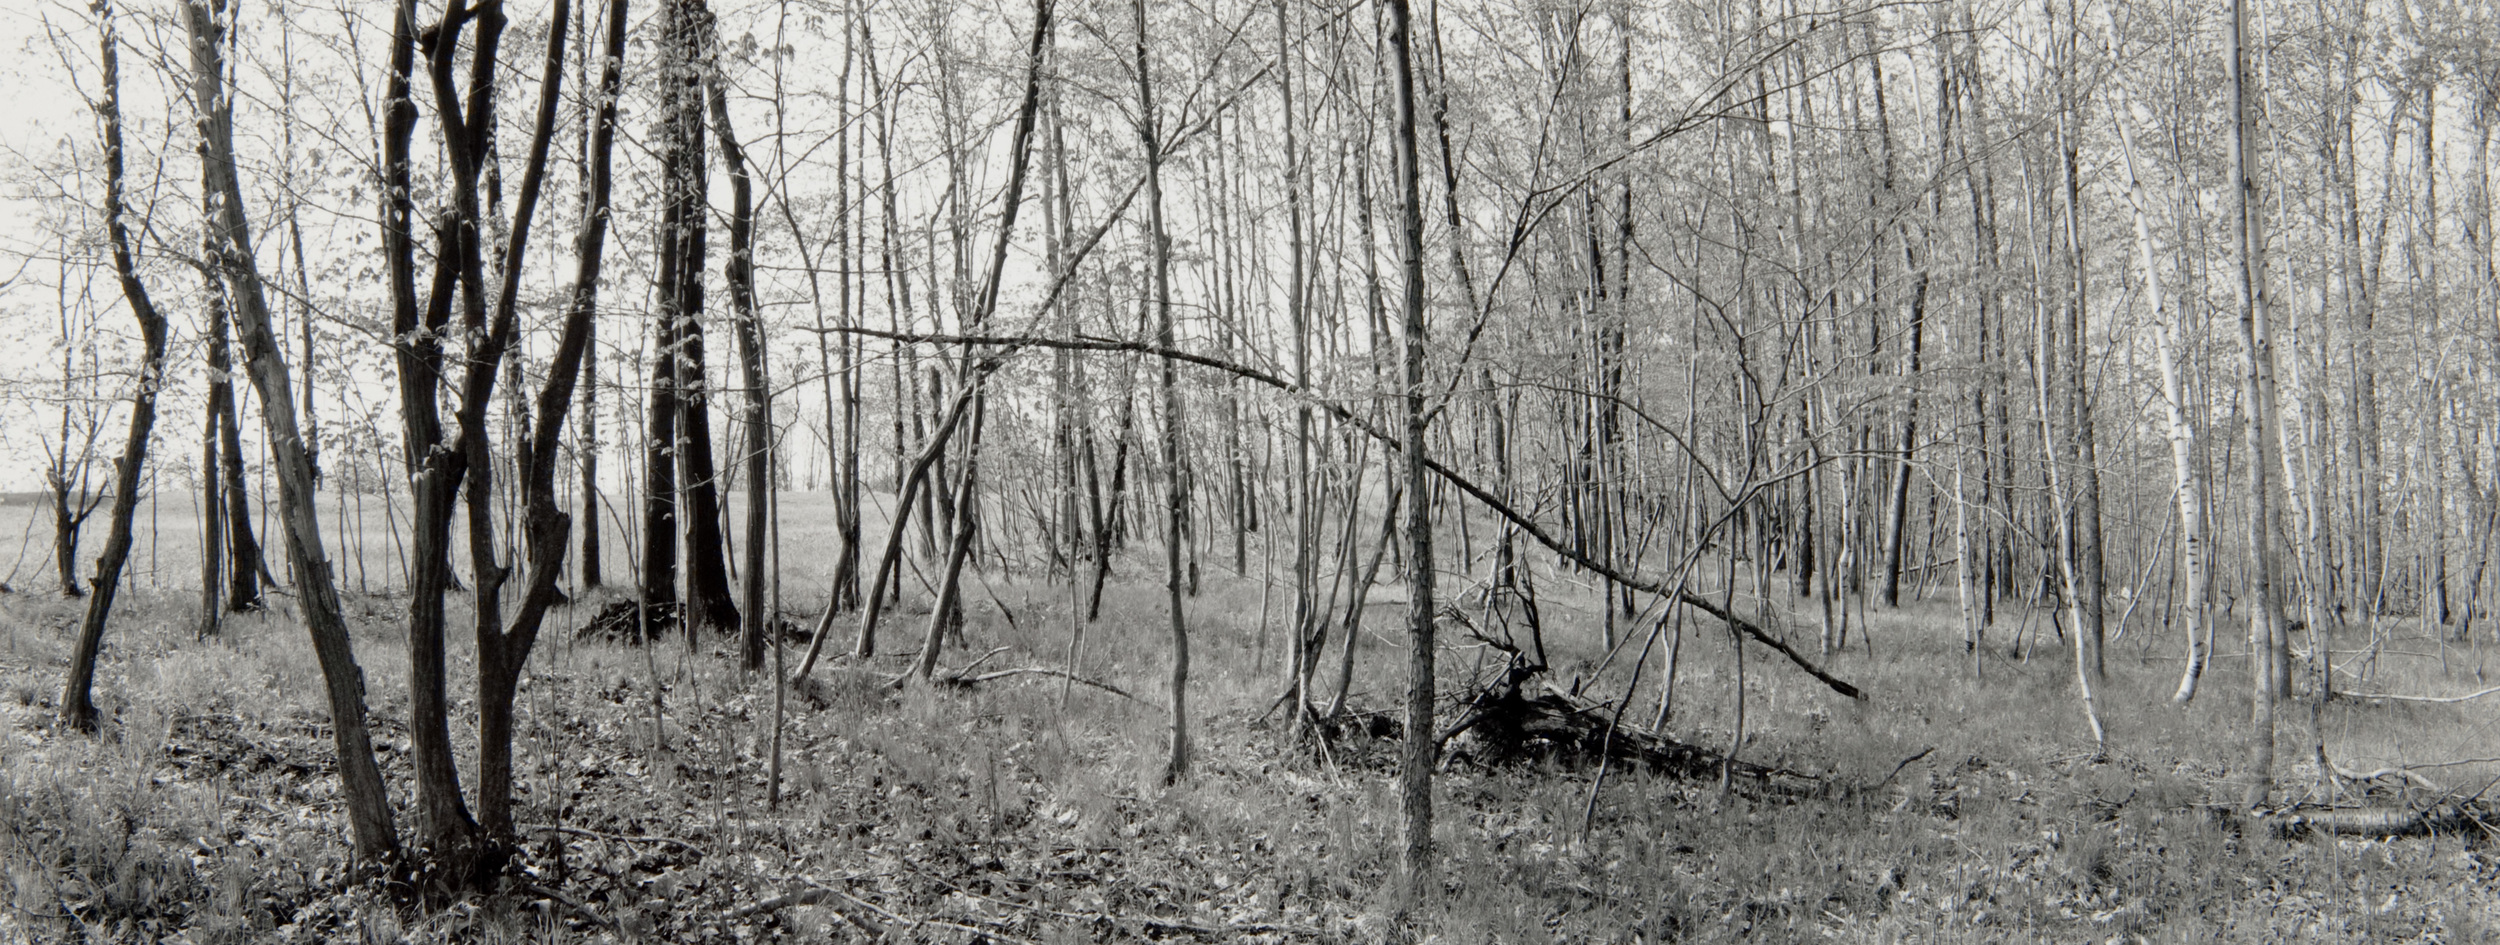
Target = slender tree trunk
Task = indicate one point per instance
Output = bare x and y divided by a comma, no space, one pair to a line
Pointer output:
1297,301
212,480
2090,585
243,559
750,329
1415,771
2188,484
368,806
2267,640
77,706
1159,249
593,211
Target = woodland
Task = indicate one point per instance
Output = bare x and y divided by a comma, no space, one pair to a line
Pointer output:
1250,470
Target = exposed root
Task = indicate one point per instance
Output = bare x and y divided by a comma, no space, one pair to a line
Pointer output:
1517,722
629,621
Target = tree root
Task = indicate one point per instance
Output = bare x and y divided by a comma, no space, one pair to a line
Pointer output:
1505,726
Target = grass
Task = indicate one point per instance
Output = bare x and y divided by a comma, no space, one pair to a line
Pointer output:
1029,810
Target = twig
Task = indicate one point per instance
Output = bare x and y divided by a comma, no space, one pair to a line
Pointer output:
958,675
569,903
2432,699
621,838
1059,673
2450,764
815,895
2418,780
804,897
1905,762
1262,928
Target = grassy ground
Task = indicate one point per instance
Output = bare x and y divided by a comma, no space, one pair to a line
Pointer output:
1025,809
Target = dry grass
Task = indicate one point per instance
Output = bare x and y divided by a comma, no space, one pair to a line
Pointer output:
1029,810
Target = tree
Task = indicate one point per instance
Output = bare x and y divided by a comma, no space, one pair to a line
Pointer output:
1415,766
77,707
679,476
739,274
1159,251
2268,641
368,806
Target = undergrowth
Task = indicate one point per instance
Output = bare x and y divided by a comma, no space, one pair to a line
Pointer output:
1028,809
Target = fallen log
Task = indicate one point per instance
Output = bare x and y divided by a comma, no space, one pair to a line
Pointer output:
2433,700
2370,822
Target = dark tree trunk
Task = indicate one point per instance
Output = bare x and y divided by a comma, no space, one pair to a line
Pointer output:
69,516
212,492
77,705
445,830
503,652
681,427
588,451
740,275
244,566
1415,770
368,804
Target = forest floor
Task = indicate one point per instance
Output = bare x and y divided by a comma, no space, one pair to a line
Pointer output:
1943,808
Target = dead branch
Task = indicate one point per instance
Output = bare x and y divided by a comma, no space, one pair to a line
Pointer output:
1905,762
1007,344
621,838
569,903
1055,673
2436,700
2369,822
959,675
2450,764
2401,773
818,895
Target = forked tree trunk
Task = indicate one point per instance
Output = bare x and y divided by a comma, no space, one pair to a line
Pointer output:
504,650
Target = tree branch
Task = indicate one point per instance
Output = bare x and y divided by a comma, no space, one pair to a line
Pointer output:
1001,346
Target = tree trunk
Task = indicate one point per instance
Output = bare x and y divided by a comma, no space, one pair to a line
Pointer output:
504,650
2187,481
368,805
1415,770
1159,250
709,602
2269,650
244,567
212,482
77,707
740,276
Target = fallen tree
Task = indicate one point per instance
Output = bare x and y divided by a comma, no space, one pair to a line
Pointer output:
1002,346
